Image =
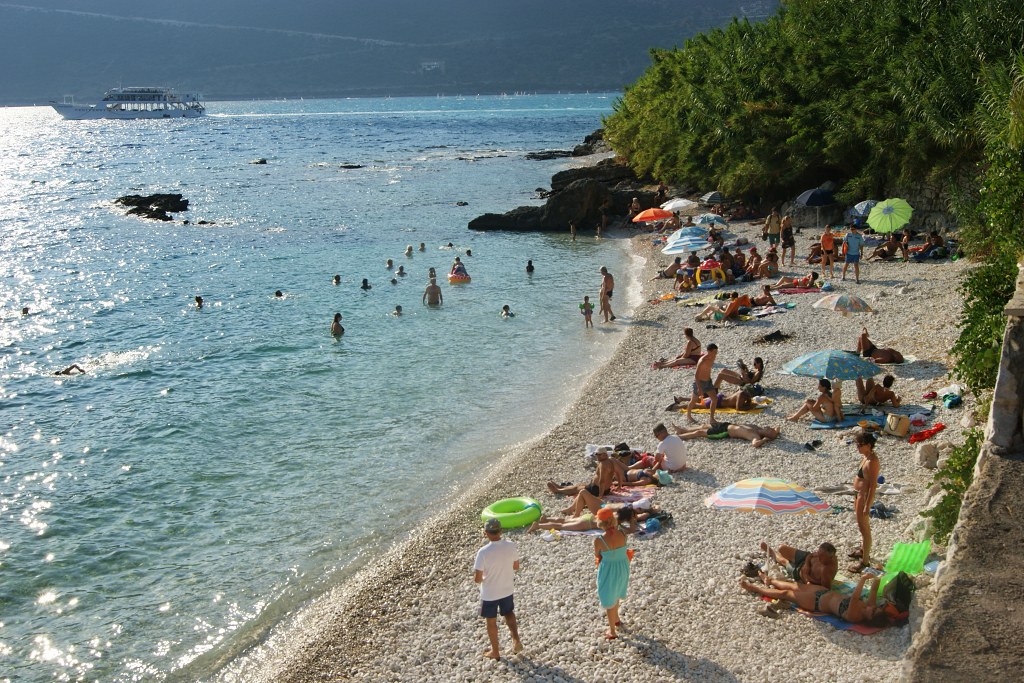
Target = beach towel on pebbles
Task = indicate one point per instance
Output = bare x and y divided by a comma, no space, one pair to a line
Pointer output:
846,422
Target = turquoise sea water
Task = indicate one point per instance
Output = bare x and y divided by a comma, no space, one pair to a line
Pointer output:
216,468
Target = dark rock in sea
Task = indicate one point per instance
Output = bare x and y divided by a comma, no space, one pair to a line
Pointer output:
579,203
592,144
259,162
548,154
205,223
351,166
606,171
461,203
155,206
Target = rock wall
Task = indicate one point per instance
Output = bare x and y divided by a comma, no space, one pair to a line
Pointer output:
973,631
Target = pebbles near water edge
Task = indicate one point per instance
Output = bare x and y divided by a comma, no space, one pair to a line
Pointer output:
412,616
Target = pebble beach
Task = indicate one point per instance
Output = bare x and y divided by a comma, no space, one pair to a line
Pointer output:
412,615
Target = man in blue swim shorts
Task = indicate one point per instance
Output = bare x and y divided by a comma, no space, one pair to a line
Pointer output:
494,569
853,243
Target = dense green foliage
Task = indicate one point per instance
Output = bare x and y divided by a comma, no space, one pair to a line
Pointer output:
955,476
862,92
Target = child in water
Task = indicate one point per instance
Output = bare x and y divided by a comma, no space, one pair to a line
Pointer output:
506,312
587,309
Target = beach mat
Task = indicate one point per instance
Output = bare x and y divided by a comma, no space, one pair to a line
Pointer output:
834,621
731,411
799,290
630,494
847,422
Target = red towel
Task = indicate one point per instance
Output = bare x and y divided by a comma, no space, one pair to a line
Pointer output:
927,433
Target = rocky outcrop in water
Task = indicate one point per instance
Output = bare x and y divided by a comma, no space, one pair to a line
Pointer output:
155,206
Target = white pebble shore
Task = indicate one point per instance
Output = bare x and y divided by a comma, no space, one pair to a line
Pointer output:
413,615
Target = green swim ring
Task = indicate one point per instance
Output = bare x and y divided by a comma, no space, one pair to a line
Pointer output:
512,512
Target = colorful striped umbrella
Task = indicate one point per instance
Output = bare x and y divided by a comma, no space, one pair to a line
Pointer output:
767,496
843,303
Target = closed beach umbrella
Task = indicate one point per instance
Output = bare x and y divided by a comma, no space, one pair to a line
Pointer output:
767,496
833,364
654,214
679,204
843,303
890,215
709,219
862,209
715,197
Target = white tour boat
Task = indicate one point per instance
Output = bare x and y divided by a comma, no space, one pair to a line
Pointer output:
134,103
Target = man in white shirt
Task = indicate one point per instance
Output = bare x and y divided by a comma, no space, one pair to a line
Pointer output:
494,569
671,451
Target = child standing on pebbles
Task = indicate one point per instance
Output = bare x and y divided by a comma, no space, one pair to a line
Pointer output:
494,569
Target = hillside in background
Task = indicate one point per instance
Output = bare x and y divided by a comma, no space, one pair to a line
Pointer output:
237,49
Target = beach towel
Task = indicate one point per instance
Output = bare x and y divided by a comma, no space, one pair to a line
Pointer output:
927,433
846,422
799,290
630,494
834,621
765,311
757,410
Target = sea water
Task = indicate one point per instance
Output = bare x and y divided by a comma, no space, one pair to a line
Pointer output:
217,467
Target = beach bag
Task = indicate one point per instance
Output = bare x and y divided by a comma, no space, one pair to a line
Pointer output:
900,591
896,425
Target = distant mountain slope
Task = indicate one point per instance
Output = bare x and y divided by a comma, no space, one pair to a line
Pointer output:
231,49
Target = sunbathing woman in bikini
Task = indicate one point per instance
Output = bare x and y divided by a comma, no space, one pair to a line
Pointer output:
798,282
852,608
867,348
743,375
689,356
828,407
870,393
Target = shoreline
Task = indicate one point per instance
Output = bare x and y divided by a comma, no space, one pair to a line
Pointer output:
411,615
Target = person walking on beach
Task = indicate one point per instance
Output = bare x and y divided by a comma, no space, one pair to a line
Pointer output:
432,295
828,250
852,244
612,568
788,240
494,569
607,287
703,386
773,227
864,482
587,309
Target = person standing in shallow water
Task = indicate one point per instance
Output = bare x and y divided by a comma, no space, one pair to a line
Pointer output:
529,267
336,329
432,295
605,297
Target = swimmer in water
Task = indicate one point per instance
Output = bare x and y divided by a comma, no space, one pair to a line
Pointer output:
394,281
199,301
279,294
337,280
24,310
506,312
401,271
397,312
431,273
390,264
365,285
423,246
408,250
71,369
432,295
469,252
529,267
450,246
336,329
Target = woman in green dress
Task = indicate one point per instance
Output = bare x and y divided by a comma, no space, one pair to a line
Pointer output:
612,568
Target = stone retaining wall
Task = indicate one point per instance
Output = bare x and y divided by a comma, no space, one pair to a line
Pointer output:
975,629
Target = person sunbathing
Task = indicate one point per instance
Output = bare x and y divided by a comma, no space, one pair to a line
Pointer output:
818,567
870,393
805,282
670,271
689,356
827,407
609,472
815,254
887,249
722,310
743,375
757,436
684,281
811,598
627,517
867,348
769,267
765,298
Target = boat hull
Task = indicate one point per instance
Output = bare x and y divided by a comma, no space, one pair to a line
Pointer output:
78,112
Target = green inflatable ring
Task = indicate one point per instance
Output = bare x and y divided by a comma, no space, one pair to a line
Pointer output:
512,512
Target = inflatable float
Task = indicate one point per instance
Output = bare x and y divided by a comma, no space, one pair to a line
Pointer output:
456,278
512,512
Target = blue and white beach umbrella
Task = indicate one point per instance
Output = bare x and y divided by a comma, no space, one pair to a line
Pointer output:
709,219
831,364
